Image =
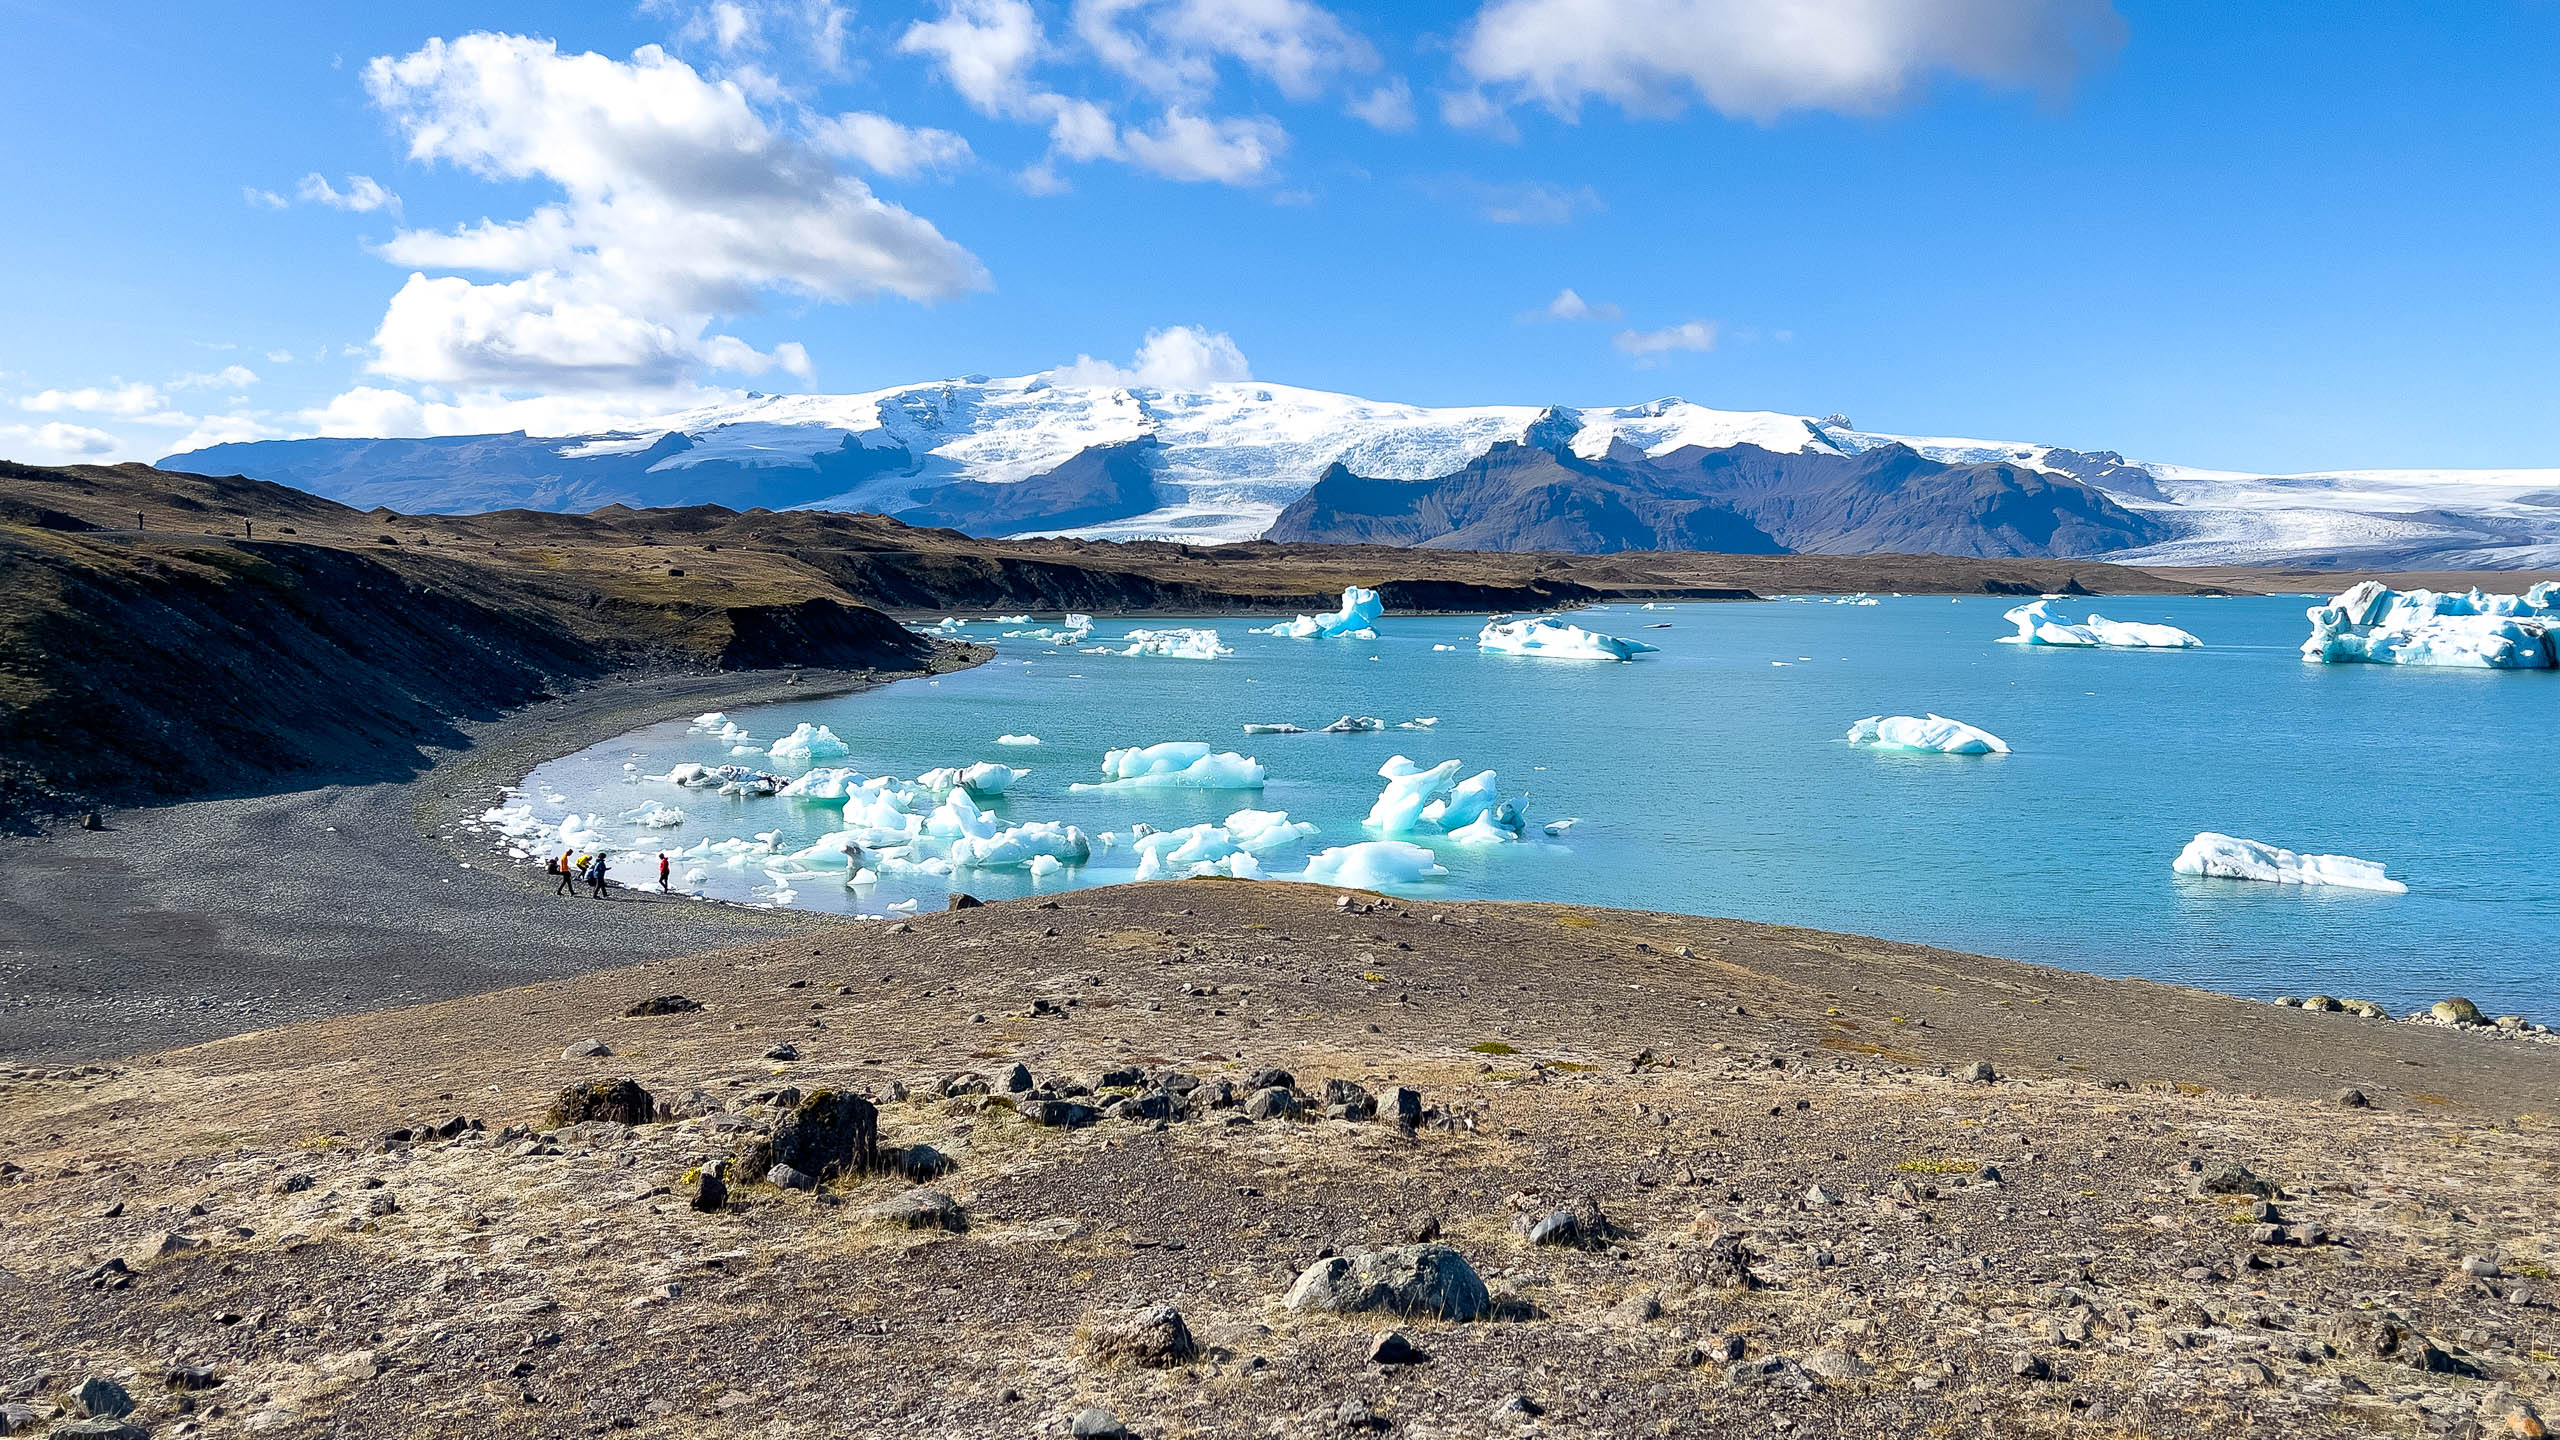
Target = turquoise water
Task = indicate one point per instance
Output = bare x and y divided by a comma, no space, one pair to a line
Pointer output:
1708,779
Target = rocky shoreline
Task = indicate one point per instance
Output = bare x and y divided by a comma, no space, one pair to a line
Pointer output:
1201,1158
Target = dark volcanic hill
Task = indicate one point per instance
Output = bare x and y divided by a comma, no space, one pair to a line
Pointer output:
1739,498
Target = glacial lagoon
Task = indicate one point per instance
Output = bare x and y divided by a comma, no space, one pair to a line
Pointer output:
1712,776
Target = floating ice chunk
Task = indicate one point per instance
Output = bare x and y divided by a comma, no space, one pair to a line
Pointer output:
2035,628
1010,620
860,877
1172,644
689,773
1017,739
1077,628
1354,621
655,816
1558,827
2230,858
1261,831
1374,864
1021,845
983,779
710,720
1178,762
807,745
1355,725
744,750
908,904
1936,732
1281,728
1399,807
1176,852
1466,800
1444,647
2378,625
1419,722
823,787
1239,865
1544,635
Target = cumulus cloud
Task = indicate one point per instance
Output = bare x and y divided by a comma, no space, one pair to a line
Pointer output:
263,199
990,51
1760,59
737,29
681,202
1569,305
56,443
132,401
363,194
1172,48
1389,107
229,377
885,147
1177,357
1652,347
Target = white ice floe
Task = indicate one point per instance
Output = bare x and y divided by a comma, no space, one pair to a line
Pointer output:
1171,645
2373,623
1419,722
1177,763
655,816
1419,800
1558,827
1374,864
1010,620
2231,858
1280,728
1935,732
2036,628
1019,846
710,720
807,745
1355,725
1356,620
1544,635
1017,739
983,779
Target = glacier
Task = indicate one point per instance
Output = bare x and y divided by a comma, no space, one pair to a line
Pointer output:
1544,635
1936,732
1356,620
2036,627
2375,624
2231,858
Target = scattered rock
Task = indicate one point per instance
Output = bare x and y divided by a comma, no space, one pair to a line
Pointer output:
830,1133
1723,1262
786,1051
1154,1337
787,1177
620,1101
1096,1423
1393,1348
710,1191
99,1428
188,1378
2479,1267
2456,1011
101,1398
2351,1098
1515,1408
587,1049
2233,1178
964,902
1017,1079
1049,1110
663,1005
1836,1365
2028,1365
1271,1102
1402,1106
1581,1225
1431,1281
17,1419
1979,1072
924,1208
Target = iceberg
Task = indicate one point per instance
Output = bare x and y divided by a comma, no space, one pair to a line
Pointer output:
1356,620
1177,762
2036,628
1010,620
1260,831
1355,725
1410,787
1017,739
983,779
2377,625
655,816
1544,635
1173,644
1937,732
1021,846
1374,864
1168,853
1419,800
2231,858
1282,728
1419,722
807,745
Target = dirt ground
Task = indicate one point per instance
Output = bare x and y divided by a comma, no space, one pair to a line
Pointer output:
1800,1212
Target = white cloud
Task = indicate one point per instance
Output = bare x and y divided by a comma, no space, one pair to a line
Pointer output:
1520,202
279,357
1569,305
739,28
1178,357
1475,110
1172,48
681,203
1760,59
229,377
131,401
1184,146
56,443
990,50
363,194
1651,347
882,145
369,410
1389,107
263,199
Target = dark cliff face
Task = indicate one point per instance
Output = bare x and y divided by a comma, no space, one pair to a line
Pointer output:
1740,499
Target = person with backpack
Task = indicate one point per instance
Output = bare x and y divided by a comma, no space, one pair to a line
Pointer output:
560,867
595,876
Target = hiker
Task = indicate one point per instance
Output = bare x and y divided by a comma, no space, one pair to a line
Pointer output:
662,872
595,875
560,867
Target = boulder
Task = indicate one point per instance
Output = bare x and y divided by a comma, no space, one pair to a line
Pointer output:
1272,1102
829,1133
710,1192
1155,1337
1402,1105
1096,1423
663,1005
1429,1281
101,1398
1979,1072
104,1427
2456,1011
586,1049
2233,1178
620,1101
923,1208
2351,1098
1395,1348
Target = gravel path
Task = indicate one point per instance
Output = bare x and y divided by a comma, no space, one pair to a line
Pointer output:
183,923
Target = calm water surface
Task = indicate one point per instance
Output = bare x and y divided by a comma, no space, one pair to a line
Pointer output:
1712,778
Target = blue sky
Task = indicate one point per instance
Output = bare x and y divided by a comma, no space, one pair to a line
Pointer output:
2272,236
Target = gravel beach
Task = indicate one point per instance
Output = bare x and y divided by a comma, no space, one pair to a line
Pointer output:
181,923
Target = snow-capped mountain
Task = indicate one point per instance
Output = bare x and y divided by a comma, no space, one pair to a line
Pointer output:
1220,462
